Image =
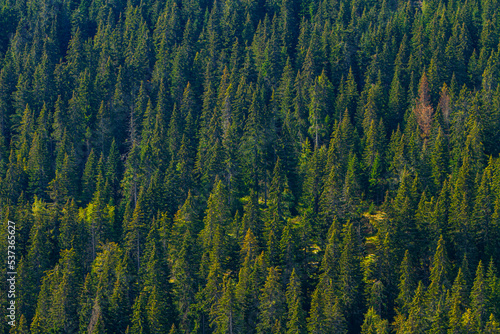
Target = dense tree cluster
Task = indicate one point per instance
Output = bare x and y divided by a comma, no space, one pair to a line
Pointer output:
240,166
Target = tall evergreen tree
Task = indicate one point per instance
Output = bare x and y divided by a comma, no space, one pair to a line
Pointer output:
272,304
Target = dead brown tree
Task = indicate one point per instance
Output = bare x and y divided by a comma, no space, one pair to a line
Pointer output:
423,109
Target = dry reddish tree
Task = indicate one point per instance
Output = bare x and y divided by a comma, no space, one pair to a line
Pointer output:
423,109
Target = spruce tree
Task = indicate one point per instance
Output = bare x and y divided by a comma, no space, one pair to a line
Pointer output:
225,315
478,298
374,324
272,304
296,316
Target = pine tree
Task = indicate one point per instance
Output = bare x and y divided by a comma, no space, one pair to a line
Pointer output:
374,324
403,207
216,221
272,304
139,320
483,210
324,297
461,207
478,297
416,322
71,231
314,176
252,217
439,320
246,289
106,287
351,92
134,228
89,178
57,301
334,317
21,328
39,258
296,315
156,274
438,276
492,326
300,106
183,254
321,101
350,279
279,203
225,313
406,286
439,216
104,126
493,294
494,232
65,183
330,201
157,310
439,159
458,301
396,101
352,190
253,144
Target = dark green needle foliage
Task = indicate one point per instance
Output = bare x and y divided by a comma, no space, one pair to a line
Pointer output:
271,166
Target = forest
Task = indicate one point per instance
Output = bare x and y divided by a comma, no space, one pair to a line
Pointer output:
251,166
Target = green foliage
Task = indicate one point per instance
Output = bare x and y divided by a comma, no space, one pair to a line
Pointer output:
58,299
374,324
272,304
251,166
296,315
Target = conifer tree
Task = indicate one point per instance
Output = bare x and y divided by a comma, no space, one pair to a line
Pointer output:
478,298
350,282
71,231
416,322
57,302
458,301
321,101
493,283
216,221
272,304
280,201
439,159
296,315
225,313
139,320
438,276
89,177
396,101
374,324
406,286
325,296
40,257
483,209
492,326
